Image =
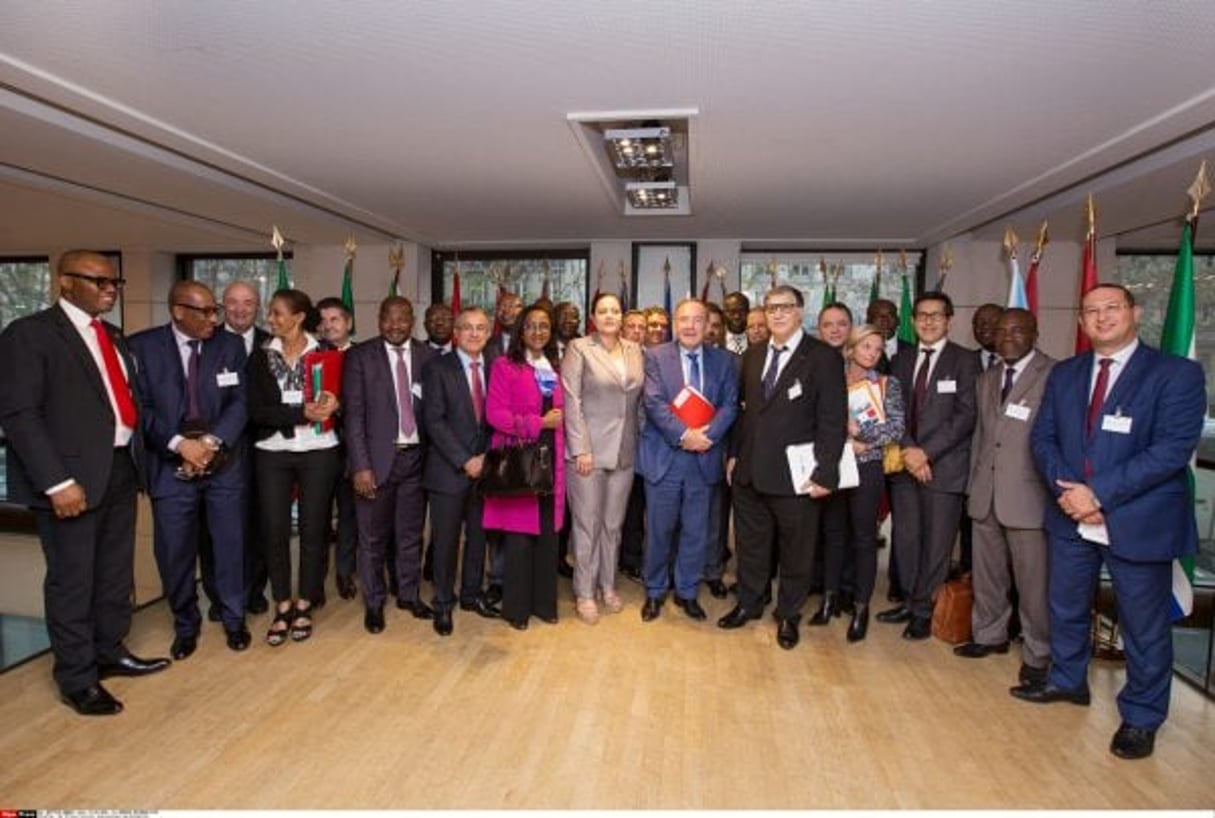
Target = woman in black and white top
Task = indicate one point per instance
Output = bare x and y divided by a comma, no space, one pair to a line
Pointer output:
295,451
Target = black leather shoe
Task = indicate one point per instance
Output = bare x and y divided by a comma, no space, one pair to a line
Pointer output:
1133,742
481,607
93,700
417,607
183,647
548,620
845,604
373,619
918,629
257,605
238,638
346,588
518,624
651,610
442,623
564,569
1029,675
214,614
632,573
896,595
974,650
895,616
692,608
717,589
131,666
827,610
859,626
1048,694
786,633
736,618
493,595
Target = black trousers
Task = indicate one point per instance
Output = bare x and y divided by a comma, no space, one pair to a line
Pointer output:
346,549
279,475
451,514
530,587
632,534
927,524
90,578
767,522
861,506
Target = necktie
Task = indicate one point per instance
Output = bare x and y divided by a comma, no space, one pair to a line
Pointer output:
694,370
991,360
1098,399
113,373
1009,373
769,382
478,389
739,344
919,392
193,411
404,395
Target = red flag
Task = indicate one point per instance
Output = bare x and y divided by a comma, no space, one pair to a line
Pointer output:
455,292
1031,284
704,291
1088,275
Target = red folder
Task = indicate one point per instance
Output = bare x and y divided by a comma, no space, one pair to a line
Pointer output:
692,408
322,373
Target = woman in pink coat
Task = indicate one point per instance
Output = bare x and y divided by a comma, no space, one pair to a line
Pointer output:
524,402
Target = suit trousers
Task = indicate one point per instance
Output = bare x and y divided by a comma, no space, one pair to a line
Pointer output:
530,581
719,532
347,546
632,538
90,579
391,523
676,506
927,522
255,572
836,540
451,513
1001,557
597,504
1142,591
767,523
177,521
861,506
279,475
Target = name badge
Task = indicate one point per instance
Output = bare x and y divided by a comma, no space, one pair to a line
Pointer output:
416,389
226,378
795,391
293,397
947,387
1119,424
1017,411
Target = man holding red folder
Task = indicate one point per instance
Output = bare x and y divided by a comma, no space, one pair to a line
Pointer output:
691,399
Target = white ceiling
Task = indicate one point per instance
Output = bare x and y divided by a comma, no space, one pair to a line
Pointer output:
190,126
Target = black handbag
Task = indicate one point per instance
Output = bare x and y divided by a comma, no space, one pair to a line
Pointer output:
523,468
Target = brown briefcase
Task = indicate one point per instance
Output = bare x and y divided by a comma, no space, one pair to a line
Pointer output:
951,607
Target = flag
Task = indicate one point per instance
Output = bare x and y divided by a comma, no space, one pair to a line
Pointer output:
1088,275
704,291
284,281
348,289
1031,278
1177,338
875,288
394,286
546,287
624,290
278,243
1016,285
455,291
666,291
906,325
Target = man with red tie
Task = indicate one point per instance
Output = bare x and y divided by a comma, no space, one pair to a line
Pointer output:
69,413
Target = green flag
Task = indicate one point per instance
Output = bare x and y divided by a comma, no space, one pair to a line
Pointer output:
906,325
348,290
284,282
875,288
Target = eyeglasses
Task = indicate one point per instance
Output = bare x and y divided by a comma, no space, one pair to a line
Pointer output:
100,282
210,312
780,308
930,316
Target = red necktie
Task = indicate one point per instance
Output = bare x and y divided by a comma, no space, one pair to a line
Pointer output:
919,392
478,390
1098,399
113,372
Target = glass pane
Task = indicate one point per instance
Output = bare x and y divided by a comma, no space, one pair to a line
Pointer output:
480,280
25,288
217,273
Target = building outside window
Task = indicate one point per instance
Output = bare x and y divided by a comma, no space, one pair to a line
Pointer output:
482,274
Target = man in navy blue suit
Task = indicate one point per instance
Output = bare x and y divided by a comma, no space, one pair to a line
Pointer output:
1113,438
192,386
682,463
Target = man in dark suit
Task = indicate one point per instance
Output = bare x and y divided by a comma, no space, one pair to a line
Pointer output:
453,414
71,419
506,320
793,392
1113,439
938,377
884,315
682,464
192,386
385,449
1008,500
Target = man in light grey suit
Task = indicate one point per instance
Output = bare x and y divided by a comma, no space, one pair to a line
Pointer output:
1008,501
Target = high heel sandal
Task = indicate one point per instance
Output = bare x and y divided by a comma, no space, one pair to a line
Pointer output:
275,636
300,632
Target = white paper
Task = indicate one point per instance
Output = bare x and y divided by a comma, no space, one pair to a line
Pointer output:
1017,411
947,387
802,464
1097,533
227,379
1120,424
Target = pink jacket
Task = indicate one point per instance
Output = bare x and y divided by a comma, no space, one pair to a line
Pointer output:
514,407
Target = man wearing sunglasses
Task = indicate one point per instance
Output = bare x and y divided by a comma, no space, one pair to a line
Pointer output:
70,414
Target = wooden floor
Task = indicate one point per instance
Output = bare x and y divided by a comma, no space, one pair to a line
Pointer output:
670,714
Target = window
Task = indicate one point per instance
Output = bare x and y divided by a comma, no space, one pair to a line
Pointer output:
852,286
25,287
217,272
522,273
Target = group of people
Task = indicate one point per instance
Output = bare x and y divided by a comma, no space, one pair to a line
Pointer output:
661,427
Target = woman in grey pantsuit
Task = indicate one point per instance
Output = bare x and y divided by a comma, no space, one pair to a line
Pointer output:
602,376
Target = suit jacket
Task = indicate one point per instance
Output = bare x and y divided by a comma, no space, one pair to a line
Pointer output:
1003,475
370,417
55,411
808,405
947,419
162,387
664,380
1139,477
602,407
883,366
453,433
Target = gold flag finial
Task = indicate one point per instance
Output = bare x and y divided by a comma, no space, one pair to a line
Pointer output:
1043,238
396,257
350,247
945,264
903,261
277,241
1010,242
880,261
1199,189
836,271
1091,213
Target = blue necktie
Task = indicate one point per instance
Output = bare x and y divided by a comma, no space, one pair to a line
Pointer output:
694,370
773,369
